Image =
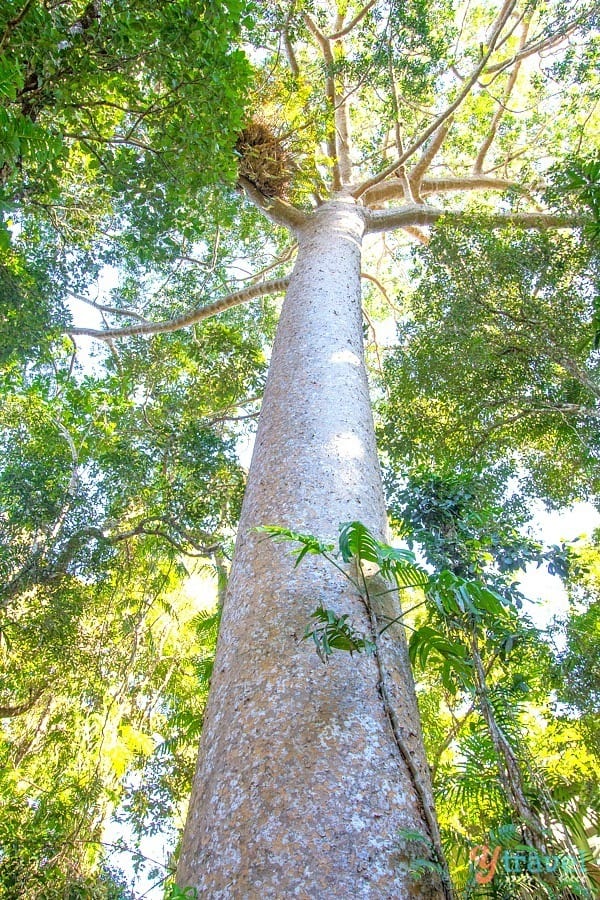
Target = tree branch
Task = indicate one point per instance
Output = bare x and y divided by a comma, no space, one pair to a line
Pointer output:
421,214
469,183
115,139
499,424
394,189
458,724
8,712
509,770
113,310
290,55
145,527
287,43
13,23
346,29
490,136
71,488
417,172
569,409
278,285
201,552
277,211
421,236
343,139
401,172
378,284
536,47
325,47
497,27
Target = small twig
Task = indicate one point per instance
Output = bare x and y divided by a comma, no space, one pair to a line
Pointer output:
12,23
112,310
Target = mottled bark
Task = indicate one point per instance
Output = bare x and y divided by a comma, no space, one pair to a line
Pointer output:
301,786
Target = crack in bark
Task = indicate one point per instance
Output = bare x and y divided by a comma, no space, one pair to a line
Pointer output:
421,791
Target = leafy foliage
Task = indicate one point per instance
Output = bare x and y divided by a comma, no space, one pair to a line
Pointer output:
309,544
112,472
474,650
581,179
119,151
104,664
334,632
496,361
576,667
419,865
356,542
92,694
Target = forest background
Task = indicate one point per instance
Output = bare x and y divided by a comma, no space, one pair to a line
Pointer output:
175,146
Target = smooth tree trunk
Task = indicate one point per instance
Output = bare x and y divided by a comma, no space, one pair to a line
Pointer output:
301,787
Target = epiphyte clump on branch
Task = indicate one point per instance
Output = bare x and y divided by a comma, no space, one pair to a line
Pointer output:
264,159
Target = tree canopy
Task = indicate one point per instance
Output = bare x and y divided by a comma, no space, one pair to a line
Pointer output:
155,161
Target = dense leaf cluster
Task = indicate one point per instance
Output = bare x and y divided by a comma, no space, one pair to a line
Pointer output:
497,360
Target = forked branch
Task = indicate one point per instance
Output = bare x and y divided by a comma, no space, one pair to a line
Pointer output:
287,42
501,20
112,310
497,117
346,29
332,143
418,171
536,46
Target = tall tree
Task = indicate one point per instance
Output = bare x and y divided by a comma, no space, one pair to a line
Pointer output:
378,119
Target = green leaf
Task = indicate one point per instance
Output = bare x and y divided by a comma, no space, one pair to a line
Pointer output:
409,834
357,542
448,656
308,542
335,633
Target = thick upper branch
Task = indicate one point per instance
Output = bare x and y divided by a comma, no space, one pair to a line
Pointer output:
277,211
395,189
332,143
418,171
421,214
493,129
190,317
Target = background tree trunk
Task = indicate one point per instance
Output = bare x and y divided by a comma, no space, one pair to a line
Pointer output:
301,787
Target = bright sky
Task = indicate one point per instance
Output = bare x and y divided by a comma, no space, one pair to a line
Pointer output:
544,589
